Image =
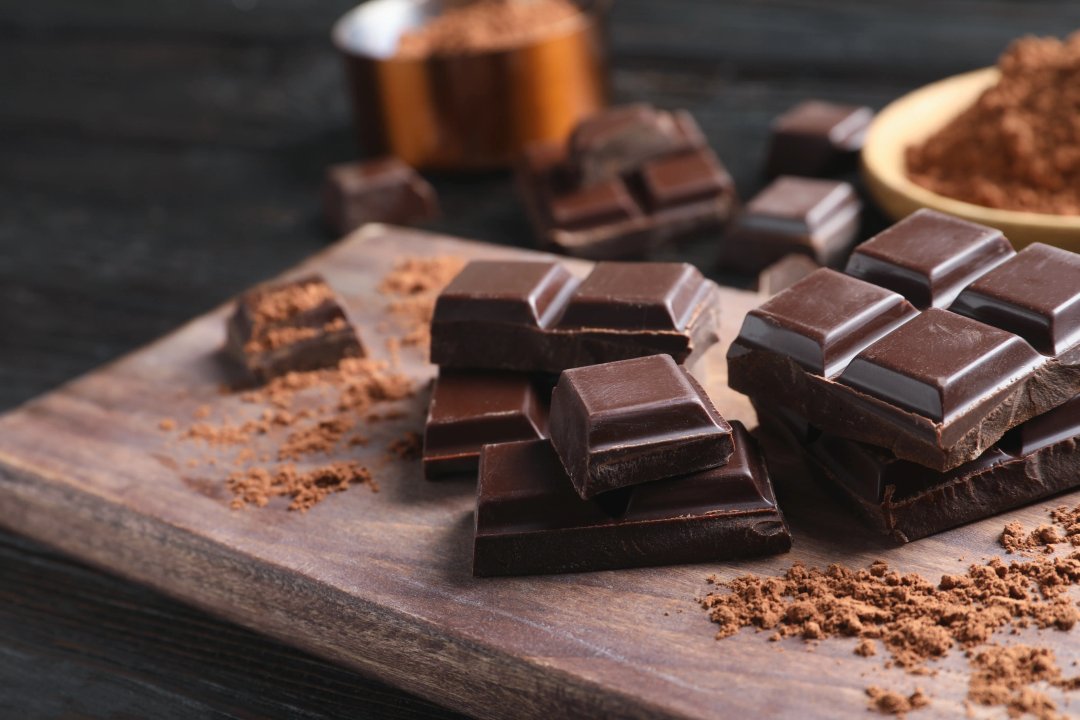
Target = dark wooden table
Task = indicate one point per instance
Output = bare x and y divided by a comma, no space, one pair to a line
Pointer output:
155,158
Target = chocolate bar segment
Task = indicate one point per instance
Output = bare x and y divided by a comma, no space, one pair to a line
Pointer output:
1036,295
381,190
929,257
816,218
784,273
630,179
906,501
939,390
290,327
470,409
634,421
817,138
534,317
529,520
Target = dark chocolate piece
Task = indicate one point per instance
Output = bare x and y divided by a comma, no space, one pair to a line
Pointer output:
535,317
784,273
631,179
291,327
634,421
938,389
816,218
1036,295
529,520
929,257
817,138
906,501
470,409
383,190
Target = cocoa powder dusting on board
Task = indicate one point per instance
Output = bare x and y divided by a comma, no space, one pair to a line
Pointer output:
917,622
485,25
1018,146
413,285
322,414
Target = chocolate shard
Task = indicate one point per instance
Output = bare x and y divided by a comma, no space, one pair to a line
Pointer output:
938,389
1035,294
634,421
534,317
907,501
381,190
630,180
529,520
816,218
929,257
470,409
293,326
817,138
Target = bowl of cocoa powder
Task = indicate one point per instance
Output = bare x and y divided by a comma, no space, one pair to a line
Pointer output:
467,84
999,146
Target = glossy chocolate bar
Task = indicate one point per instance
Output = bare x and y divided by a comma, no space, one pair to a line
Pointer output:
472,408
1035,460
817,138
633,421
630,179
537,317
381,190
529,520
936,387
290,327
815,218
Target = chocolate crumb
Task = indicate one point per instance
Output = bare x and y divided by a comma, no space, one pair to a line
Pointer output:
167,424
890,702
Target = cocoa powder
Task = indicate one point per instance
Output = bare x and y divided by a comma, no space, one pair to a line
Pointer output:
413,285
1018,146
486,25
917,622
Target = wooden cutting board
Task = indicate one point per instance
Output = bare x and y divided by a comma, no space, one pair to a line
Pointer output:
381,582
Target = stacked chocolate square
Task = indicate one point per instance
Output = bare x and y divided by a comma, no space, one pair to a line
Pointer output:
934,382
638,467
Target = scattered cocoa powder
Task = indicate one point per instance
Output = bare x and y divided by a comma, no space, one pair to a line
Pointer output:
917,621
414,283
486,25
408,447
1018,146
890,702
258,485
167,424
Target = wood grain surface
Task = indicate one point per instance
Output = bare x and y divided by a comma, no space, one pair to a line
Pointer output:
382,582
156,158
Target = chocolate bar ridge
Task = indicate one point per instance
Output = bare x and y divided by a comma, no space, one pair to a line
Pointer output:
937,387
536,317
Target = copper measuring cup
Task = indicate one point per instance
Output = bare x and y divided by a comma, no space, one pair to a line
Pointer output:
468,110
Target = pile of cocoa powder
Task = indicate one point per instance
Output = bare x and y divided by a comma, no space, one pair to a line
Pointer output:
324,412
916,621
1018,146
486,25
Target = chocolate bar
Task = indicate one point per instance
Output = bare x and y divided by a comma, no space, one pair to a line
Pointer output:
906,501
381,190
633,421
470,409
529,520
935,387
815,218
629,180
290,327
537,317
784,273
817,138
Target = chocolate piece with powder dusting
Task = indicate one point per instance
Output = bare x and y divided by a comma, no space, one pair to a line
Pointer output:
292,326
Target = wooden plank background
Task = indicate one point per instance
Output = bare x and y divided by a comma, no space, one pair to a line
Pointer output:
156,158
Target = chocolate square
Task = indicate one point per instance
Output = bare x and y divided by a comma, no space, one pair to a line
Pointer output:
634,421
817,138
382,190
